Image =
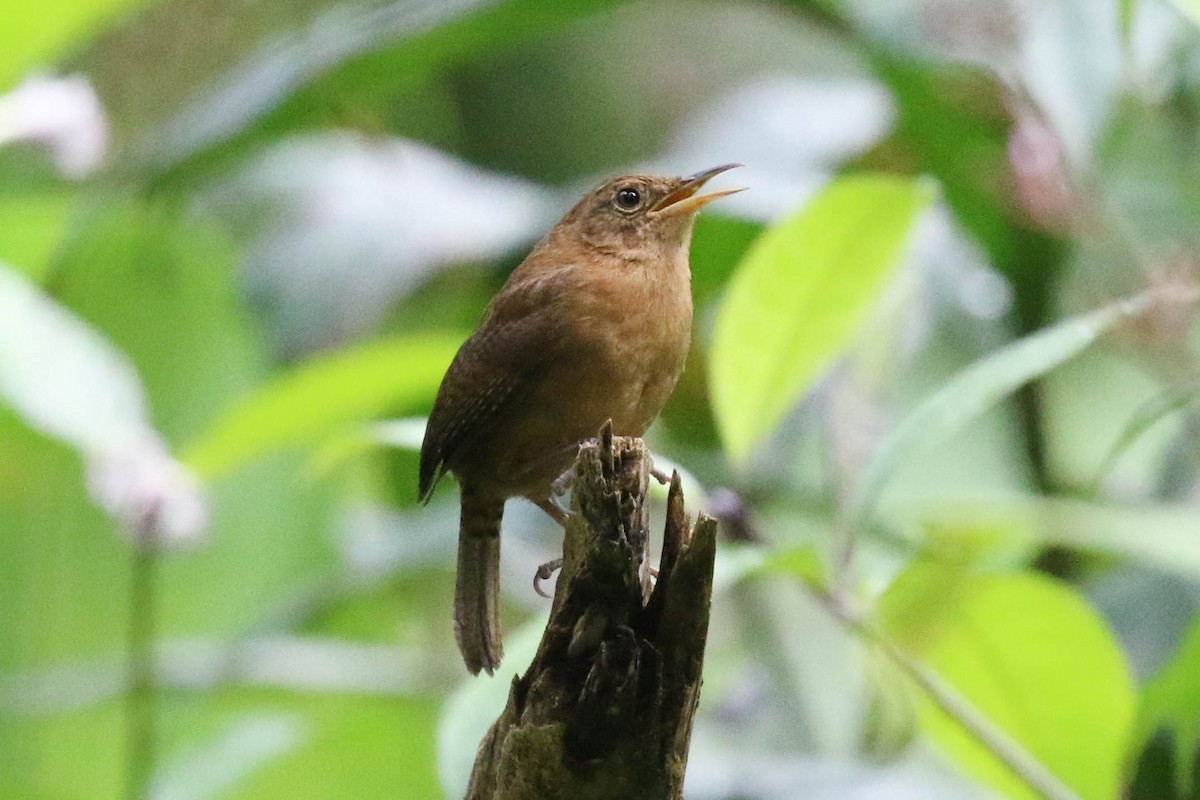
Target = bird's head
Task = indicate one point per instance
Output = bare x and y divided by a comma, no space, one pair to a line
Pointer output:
642,211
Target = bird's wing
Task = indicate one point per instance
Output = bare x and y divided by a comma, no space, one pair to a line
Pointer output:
489,373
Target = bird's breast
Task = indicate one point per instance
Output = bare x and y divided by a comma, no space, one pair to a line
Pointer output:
620,342
634,330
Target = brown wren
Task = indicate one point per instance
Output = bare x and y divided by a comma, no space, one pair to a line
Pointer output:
593,325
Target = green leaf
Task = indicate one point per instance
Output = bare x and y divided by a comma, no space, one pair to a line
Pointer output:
323,395
798,297
975,390
1171,700
1033,658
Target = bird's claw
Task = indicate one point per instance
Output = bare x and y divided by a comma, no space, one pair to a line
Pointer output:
543,573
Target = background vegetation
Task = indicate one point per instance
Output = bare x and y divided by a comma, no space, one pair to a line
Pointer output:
942,392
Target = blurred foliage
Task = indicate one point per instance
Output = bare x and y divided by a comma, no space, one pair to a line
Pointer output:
800,294
941,392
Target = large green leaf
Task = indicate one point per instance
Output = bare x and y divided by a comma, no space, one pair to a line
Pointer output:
797,299
318,397
1033,658
976,389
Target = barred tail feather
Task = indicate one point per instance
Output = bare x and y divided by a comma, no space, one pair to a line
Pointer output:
477,587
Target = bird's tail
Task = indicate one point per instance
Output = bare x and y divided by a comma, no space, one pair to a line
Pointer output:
477,588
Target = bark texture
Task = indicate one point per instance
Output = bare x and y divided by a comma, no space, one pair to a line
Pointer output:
605,710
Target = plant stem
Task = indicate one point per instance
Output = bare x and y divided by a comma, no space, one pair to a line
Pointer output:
1008,751
141,693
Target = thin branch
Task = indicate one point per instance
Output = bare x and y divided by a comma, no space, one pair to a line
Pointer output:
1031,771
1007,750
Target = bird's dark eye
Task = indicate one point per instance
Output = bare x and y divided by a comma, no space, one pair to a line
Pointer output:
628,198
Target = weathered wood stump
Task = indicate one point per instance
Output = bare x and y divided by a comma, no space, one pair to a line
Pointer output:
605,709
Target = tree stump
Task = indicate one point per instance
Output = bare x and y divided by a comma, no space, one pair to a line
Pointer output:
605,709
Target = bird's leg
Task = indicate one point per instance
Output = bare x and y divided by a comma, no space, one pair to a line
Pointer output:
554,511
544,572
658,475
559,515
562,484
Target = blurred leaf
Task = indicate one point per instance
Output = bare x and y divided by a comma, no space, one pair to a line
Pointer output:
1160,536
63,376
1031,656
407,434
976,389
954,124
206,89
1156,775
315,399
1126,13
31,226
60,562
160,284
67,756
367,748
267,68
1190,9
1147,414
718,245
68,382
798,297
1171,703
243,747
736,562
243,744
405,211
1151,183
801,561
475,705
37,34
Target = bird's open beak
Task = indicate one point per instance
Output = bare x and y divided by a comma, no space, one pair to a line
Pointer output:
684,199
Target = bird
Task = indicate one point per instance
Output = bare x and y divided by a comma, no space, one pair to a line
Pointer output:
594,325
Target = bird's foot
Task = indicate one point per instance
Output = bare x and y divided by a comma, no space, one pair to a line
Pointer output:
544,572
660,476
